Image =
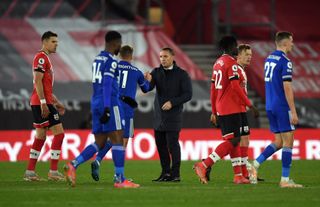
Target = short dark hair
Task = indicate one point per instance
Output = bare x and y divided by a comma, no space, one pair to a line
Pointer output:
47,35
228,43
282,35
169,49
243,47
126,51
112,35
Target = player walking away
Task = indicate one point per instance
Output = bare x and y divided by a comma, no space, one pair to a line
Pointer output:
107,114
46,109
226,91
130,77
243,59
280,107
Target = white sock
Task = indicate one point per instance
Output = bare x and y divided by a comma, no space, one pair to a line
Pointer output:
256,164
284,179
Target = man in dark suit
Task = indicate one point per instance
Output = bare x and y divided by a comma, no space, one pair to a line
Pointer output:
174,88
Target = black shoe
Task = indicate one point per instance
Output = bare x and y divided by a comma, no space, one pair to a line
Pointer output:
208,171
175,179
258,179
162,178
166,178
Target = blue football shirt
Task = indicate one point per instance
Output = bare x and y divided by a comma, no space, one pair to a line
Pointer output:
130,77
105,75
277,69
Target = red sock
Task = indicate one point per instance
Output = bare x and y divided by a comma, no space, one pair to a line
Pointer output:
222,150
55,151
244,159
235,156
34,153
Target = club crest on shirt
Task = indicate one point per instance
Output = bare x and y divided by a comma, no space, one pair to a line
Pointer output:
41,61
246,129
235,68
114,64
56,116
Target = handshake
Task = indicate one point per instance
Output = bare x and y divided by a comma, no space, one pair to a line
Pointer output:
105,116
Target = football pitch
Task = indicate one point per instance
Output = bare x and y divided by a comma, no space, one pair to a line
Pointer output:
189,192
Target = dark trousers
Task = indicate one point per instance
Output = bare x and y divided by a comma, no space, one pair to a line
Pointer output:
168,146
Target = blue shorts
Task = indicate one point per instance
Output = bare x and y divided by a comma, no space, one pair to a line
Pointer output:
128,128
116,121
279,120
128,112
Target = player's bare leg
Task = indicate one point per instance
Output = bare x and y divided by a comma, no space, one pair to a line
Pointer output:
125,142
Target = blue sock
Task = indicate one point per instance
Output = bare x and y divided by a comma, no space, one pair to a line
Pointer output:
286,161
267,152
118,156
104,151
86,154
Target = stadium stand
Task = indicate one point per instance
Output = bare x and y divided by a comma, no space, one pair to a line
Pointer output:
80,29
80,39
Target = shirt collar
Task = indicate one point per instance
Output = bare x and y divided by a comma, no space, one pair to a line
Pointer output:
169,68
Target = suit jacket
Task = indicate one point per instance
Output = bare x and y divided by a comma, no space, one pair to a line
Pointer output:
172,85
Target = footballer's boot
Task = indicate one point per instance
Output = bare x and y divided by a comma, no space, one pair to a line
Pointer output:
70,174
290,184
121,182
200,171
208,172
239,179
253,174
56,176
95,166
31,176
126,184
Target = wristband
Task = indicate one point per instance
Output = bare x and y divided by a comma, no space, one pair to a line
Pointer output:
43,101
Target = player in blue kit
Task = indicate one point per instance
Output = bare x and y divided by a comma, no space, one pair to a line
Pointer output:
130,77
107,115
280,107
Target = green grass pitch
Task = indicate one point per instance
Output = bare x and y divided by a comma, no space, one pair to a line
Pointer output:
219,192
